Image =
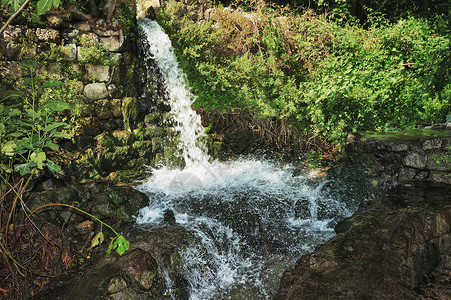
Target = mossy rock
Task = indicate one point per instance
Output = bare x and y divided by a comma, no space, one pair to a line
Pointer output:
130,112
172,156
154,118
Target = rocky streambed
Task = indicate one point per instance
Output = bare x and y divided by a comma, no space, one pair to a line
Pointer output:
396,246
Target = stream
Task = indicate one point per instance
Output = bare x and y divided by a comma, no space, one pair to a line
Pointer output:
252,217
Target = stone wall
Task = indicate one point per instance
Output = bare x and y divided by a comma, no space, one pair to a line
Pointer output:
118,127
416,155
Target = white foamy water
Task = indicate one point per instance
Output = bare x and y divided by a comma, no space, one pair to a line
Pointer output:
252,218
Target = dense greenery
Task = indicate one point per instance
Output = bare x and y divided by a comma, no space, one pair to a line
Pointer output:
319,73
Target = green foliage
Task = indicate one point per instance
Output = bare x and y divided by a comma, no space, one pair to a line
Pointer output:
95,53
12,4
28,127
120,243
42,6
127,17
323,76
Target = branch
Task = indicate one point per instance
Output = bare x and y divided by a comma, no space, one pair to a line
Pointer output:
14,15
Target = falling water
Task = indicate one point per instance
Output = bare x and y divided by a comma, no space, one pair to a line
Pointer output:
252,218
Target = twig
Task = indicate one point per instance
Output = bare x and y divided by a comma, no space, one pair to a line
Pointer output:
14,15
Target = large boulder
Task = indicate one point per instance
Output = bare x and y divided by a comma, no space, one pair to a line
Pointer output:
382,253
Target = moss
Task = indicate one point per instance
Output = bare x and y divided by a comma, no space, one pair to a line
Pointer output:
394,136
130,112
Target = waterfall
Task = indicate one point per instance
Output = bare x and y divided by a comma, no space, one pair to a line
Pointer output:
252,217
186,120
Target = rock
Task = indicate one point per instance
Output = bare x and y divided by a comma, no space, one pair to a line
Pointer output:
399,147
130,112
69,52
70,35
90,126
383,253
115,284
112,43
140,267
103,109
154,118
82,26
94,91
432,144
10,69
116,105
54,21
415,160
48,35
97,73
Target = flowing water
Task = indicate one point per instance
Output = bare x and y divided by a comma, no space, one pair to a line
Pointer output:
252,218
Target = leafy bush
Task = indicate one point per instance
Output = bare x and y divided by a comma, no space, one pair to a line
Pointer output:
28,127
320,75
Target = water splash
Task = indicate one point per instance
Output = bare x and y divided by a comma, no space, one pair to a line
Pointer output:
252,218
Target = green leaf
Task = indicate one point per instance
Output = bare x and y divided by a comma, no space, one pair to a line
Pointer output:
52,167
448,118
110,247
56,105
63,135
122,245
43,6
97,240
25,169
52,84
38,158
29,63
52,145
56,125
14,5
9,149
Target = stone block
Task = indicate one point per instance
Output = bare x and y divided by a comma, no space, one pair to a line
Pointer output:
103,109
69,52
89,39
82,26
432,144
116,107
48,35
442,177
415,160
13,33
399,147
55,21
112,43
13,51
94,91
97,73
10,69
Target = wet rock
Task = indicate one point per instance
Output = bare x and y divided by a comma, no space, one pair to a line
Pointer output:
383,253
115,284
169,217
130,112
